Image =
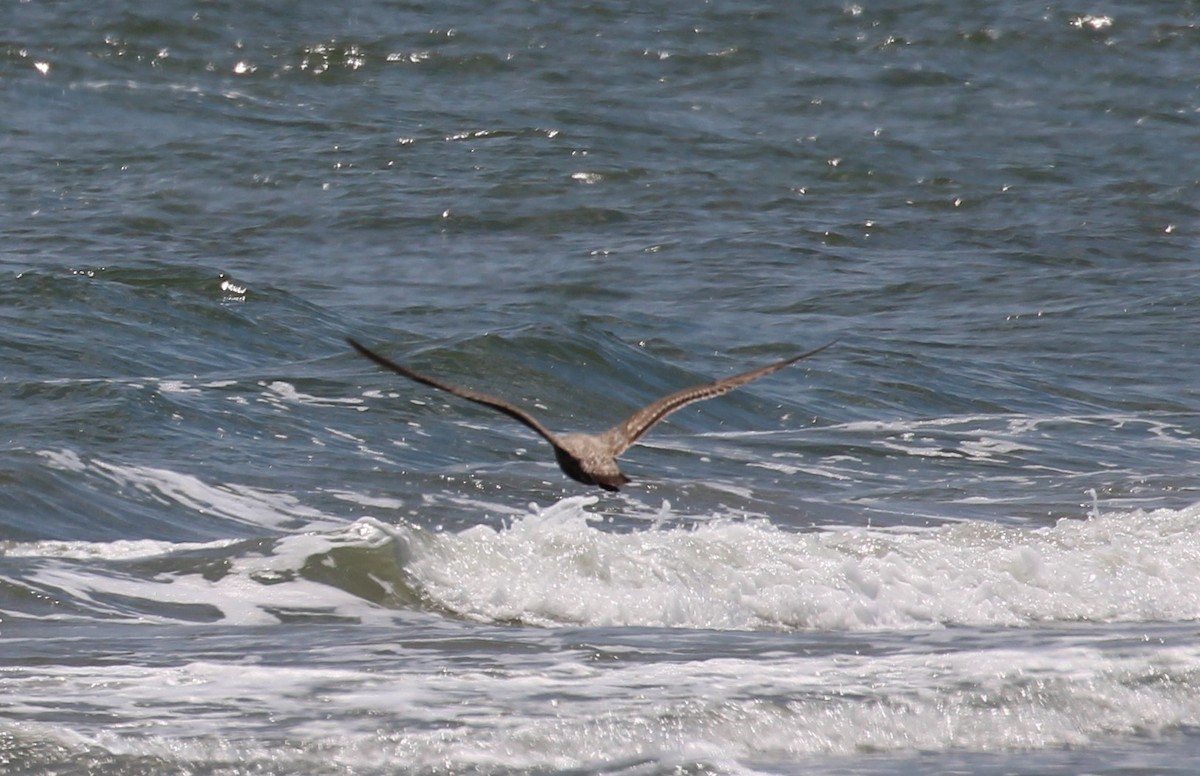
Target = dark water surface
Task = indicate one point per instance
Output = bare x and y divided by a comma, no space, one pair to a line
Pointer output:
963,539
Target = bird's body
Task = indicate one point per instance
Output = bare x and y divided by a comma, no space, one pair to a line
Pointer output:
592,458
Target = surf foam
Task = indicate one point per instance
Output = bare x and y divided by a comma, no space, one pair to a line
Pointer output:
558,566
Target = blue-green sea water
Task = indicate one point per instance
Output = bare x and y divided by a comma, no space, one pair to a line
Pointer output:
963,539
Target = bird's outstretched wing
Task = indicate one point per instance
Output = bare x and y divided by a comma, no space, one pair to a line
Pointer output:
486,400
629,431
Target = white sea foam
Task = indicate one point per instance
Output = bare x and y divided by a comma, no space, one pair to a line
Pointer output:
280,392
257,579
439,705
255,586
175,386
124,549
566,565
557,566
570,711
239,503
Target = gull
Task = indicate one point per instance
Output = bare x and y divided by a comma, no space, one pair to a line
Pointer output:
592,458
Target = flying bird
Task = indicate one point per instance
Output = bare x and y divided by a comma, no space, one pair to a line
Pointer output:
592,458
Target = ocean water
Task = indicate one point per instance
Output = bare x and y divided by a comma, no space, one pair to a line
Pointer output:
964,539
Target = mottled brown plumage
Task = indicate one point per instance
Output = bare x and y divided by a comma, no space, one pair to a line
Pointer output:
592,458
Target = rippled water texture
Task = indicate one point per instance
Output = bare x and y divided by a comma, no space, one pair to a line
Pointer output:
962,539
